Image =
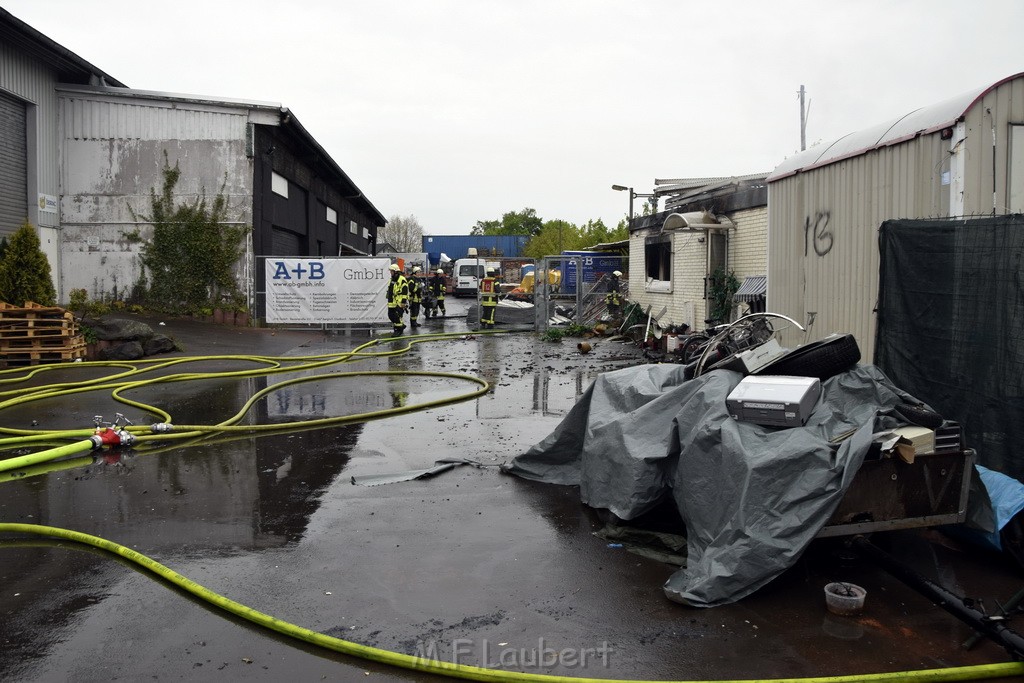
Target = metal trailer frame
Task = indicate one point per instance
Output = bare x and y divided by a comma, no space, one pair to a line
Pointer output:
890,494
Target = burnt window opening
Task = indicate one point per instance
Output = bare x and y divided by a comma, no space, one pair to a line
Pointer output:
658,258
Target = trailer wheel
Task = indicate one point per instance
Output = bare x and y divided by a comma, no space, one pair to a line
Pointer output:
822,359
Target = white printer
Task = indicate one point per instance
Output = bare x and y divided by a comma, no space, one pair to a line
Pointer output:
774,400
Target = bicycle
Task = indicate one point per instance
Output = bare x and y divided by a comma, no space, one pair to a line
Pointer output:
692,344
703,353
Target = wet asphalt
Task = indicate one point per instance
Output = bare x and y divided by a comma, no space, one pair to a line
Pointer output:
471,566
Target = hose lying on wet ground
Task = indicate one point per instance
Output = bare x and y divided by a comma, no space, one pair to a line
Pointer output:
453,669
128,380
46,460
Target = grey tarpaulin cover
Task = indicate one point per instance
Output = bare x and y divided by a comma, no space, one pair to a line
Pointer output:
752,497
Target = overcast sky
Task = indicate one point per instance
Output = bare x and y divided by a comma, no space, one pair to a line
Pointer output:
458,111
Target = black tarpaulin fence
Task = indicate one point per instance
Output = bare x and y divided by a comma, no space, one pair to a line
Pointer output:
951,325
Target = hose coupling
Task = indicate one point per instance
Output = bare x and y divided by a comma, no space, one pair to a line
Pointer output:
126,438
161,427
105,436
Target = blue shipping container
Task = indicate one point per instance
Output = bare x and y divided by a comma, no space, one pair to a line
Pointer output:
458,246
596,264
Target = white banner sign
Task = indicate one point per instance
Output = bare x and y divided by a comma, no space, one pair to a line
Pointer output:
327,290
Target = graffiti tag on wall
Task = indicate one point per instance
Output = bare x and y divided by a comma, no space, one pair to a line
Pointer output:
817,234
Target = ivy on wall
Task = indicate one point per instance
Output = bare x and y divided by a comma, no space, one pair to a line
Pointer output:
723,286
188,265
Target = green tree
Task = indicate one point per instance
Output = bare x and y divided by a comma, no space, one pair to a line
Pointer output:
25,270
525,222
596,232
193,251
486,228
554,237
557,236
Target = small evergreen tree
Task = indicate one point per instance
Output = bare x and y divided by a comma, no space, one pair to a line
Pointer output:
25,270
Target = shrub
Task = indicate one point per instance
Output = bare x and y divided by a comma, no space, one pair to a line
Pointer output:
25,270
723,286
554,334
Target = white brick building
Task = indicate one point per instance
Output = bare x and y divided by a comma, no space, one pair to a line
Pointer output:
709,224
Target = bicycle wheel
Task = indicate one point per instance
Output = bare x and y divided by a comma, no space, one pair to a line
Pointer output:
757,328
743,334
692,346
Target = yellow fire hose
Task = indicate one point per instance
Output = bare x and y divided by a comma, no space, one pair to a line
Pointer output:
32,464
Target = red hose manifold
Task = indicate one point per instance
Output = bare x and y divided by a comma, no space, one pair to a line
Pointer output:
105,436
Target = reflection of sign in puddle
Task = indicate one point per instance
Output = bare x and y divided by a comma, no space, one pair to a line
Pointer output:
333,397
842,628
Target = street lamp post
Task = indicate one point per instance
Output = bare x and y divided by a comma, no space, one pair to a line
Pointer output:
632,196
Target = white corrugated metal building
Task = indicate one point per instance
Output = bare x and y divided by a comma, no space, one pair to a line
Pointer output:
31,65
275,177
80,154
960,157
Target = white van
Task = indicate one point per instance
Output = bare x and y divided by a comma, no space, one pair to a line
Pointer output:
467,274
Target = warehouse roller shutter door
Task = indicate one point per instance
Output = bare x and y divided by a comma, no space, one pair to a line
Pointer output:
13,164
286,243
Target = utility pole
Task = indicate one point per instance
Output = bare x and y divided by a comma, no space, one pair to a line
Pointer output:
803,121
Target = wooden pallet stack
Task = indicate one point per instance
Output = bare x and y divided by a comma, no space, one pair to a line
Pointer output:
34,334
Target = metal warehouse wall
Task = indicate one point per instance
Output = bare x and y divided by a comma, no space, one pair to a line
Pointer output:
823,222
31,81
987,119
112,157
456,246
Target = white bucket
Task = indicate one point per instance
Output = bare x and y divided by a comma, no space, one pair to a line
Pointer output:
844,598
671,343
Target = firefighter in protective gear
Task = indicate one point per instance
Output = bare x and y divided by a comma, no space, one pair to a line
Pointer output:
398,298
437,288
613,299
415,296
489,287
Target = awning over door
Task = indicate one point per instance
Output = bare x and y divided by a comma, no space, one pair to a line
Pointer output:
752,289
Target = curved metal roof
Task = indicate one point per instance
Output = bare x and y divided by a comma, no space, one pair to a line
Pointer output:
913,124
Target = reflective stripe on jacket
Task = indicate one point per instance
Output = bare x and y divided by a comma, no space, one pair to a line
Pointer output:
489,291
438,286
398,292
